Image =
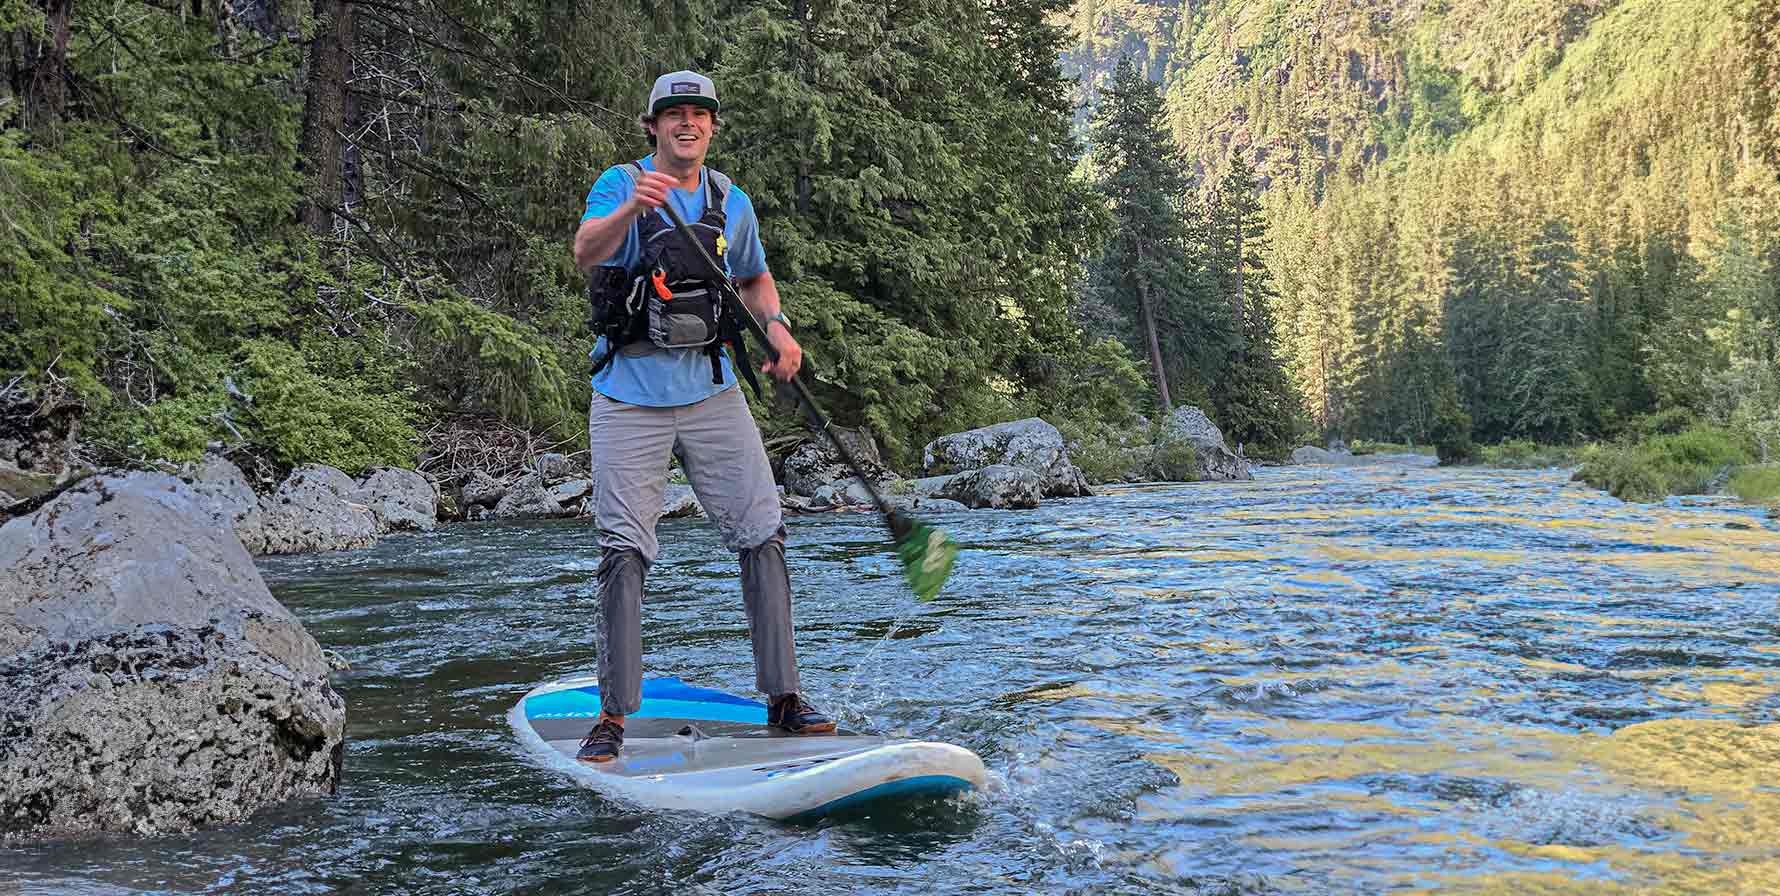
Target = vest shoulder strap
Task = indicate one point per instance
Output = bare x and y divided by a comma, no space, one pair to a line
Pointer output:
717,186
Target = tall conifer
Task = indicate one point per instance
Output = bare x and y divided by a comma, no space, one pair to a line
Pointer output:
1138,170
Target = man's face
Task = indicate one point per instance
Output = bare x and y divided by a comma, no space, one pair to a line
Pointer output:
683,133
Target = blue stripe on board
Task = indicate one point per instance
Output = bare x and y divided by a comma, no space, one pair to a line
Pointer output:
925,785
663,698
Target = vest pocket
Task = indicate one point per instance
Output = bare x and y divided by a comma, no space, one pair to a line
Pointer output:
689,321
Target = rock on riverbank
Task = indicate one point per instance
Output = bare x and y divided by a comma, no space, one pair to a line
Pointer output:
149,682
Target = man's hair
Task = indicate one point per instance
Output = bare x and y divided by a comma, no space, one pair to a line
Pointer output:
645,121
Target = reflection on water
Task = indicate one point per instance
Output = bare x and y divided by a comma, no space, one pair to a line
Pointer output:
1326,680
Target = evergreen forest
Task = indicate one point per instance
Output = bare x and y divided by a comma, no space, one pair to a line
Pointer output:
337,231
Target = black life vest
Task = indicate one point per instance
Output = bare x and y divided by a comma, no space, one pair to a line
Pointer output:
669,299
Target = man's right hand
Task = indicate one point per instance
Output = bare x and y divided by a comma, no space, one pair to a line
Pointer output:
652,190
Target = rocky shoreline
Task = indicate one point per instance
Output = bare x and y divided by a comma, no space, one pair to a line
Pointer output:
1009,465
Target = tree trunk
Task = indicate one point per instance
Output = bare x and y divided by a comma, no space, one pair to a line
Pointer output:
1241,322
1149,332
39,73
800,13
324,113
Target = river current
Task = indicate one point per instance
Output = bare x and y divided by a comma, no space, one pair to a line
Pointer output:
1327,680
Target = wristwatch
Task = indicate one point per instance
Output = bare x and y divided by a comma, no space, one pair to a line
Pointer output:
781,318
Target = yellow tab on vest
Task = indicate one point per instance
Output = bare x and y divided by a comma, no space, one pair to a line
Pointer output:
722,245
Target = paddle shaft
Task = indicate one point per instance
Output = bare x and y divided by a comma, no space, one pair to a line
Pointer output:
803,394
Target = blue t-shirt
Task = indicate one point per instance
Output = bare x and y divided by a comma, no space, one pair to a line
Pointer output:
671,377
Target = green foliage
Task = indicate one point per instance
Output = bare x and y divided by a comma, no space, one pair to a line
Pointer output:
1451,433
1089,379
1543,205
479,360
306,417
1757,485
1105,452
175,429
1252,398
1173,458
1521,454
928,252
1665,422
1362,447
53,313
1679,464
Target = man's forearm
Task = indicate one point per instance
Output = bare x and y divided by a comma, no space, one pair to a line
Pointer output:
598,238
760,294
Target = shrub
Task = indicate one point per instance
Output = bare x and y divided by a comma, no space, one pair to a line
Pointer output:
1679,464
1105,451
1452,432
302,416
1174,460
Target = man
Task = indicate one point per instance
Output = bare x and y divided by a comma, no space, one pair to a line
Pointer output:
653,398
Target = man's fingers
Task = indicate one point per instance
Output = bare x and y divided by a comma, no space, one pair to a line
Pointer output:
782,370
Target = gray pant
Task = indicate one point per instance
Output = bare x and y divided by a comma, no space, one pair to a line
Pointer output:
720,449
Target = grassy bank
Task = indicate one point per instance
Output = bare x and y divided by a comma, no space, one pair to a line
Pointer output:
1758,485
1520,454
1683,463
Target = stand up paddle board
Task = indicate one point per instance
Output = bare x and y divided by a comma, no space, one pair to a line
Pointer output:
708,751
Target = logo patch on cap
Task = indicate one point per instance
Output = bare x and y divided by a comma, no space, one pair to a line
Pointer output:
685,87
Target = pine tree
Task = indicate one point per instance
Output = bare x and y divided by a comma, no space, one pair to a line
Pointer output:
1546,392
1144,263
1253,399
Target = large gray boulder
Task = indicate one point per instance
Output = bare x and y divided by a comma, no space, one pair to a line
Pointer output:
481,490
914,503
1216,460
399,499
816,464
1031,443
315,509
995,486
529,499
149,682
223,490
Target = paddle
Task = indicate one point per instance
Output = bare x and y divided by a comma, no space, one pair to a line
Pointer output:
927,554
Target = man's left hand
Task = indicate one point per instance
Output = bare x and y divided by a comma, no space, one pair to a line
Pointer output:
790,353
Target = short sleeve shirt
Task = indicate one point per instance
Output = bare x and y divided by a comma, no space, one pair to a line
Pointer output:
671,377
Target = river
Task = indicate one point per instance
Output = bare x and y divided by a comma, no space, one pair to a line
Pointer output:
1327,680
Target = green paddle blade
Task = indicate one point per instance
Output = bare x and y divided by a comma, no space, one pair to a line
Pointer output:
927,555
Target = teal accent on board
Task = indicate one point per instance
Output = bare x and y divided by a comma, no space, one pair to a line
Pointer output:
663,698
925,785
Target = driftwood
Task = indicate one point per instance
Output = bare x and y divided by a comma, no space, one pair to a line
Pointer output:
454,447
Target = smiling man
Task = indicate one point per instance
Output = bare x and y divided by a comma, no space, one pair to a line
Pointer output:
663,385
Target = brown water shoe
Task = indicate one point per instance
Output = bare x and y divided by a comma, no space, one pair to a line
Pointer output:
793,714
602,743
